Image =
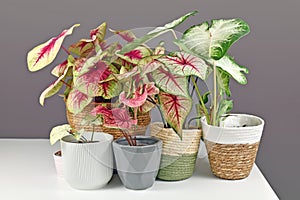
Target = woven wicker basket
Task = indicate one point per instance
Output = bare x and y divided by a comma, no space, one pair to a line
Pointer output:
231,150
231,161
75,122
178,156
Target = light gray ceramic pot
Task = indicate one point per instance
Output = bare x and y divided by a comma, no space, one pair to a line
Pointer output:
138,166
88,166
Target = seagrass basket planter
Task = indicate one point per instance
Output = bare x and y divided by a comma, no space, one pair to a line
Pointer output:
75,122
178,157
232,148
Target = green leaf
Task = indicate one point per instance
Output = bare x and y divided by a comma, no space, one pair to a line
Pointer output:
205,97
231,67
225,106
155,33
59,132
213,41
223,79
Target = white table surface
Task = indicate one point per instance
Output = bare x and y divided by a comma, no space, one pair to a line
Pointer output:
27,171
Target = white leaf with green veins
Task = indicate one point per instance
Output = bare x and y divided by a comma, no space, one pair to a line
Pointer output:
213,41
59,132
236,71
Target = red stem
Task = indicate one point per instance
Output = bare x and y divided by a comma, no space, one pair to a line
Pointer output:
66,84
65,50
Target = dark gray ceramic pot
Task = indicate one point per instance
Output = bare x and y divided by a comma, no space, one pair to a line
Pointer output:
138,166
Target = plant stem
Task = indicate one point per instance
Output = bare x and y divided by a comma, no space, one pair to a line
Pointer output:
66,84
65,50
92,137
201,100
161,113
215,95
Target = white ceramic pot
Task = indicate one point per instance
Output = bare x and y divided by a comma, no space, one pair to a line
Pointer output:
88,165
58,165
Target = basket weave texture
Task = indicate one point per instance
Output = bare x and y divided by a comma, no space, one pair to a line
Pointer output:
75,122
178,156
231,161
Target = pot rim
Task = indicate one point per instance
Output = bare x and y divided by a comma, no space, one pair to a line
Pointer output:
262,122
160,124
145,137
108,139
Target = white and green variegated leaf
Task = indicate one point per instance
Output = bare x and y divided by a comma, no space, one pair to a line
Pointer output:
59,132
185,64
225,106
231,67
155,33
213,41
223,79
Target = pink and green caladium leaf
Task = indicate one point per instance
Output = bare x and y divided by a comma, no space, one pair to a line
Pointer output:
54,87
99,32
82,48
185,64
135,55
127,35
149,64
175,110
155,33
170,83
88,82
45,53
140,95
77,101
59,69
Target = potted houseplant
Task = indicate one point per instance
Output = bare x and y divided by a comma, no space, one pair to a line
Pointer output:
137,157
88,74
231,139
180,145
87,163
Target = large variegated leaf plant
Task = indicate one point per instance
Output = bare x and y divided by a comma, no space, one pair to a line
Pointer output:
210,42
202,52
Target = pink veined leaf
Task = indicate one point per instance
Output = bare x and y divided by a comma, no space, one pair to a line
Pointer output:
140,95
146,107
134,102
59,69
175,110
114,118
45,53
53,88
184,64
77,66
88,82
127,35
170,83
134,56
151,89
99,32
82,48
149,64
109,89
77,101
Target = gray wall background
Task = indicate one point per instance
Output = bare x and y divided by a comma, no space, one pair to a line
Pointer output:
271,52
